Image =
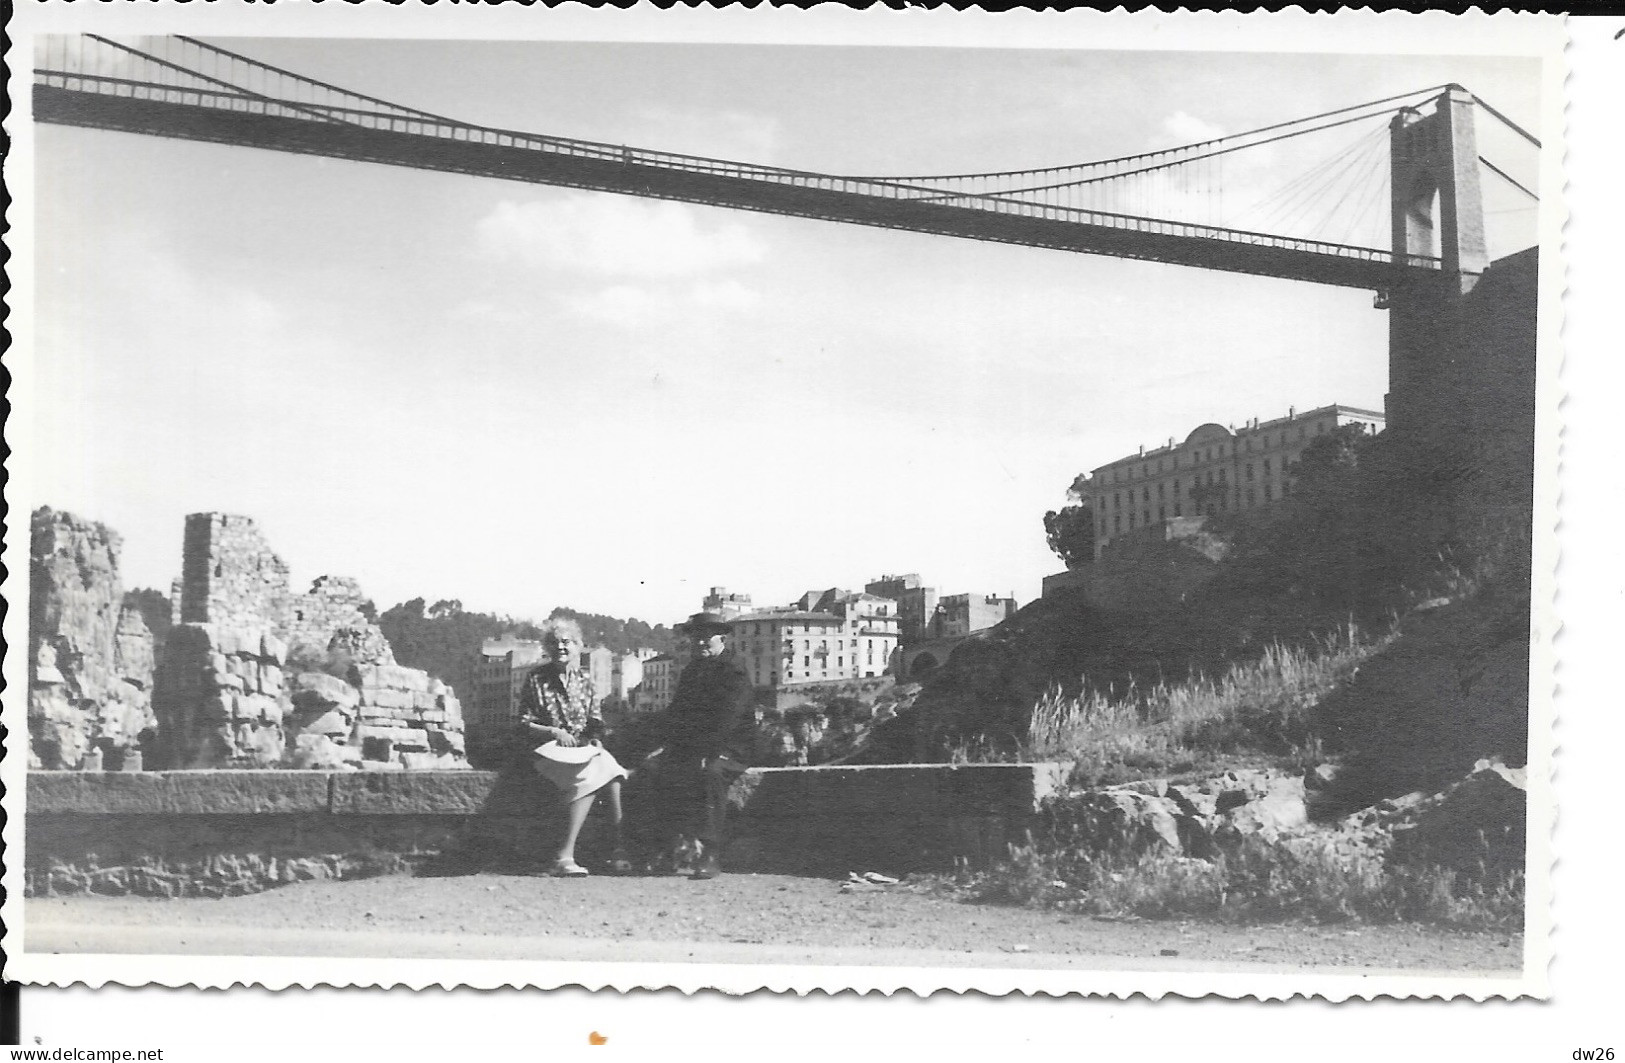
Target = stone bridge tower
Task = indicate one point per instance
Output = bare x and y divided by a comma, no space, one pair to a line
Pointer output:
1438,211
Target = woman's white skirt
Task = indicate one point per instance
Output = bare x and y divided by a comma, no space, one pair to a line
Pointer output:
577,770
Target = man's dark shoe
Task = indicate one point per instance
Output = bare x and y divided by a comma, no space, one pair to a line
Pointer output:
710,867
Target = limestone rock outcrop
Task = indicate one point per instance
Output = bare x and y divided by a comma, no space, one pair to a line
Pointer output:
1200,819
1476,827
90,659
250,676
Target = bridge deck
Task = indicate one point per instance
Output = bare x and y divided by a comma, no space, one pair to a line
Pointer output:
520,157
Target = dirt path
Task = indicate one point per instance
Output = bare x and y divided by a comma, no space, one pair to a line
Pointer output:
743,916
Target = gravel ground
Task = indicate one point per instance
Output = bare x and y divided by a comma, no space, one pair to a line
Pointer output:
502,914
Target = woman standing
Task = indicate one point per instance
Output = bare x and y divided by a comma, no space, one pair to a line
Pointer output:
558,707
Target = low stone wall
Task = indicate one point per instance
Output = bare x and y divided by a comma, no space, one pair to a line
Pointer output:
214,833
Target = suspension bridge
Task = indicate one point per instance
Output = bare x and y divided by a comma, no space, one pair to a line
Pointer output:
1176,205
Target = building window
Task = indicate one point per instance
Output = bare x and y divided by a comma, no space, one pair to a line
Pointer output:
1249,471
1269,495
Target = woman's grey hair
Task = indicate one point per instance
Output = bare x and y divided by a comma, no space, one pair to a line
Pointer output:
553,627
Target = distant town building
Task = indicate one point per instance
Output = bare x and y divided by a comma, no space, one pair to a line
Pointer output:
958,615
842,636
1215,470
504,663
660,674
627,675
915,603
501,671
729,605
599,662
873,631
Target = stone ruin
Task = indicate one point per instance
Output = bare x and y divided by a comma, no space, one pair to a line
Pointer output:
221,698
251,675
90,663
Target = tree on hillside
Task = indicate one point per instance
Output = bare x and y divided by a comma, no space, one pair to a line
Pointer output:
1318,543
1070,531
620,636
444,639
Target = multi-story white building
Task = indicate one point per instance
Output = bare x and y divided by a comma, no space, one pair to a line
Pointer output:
1215,470
847,636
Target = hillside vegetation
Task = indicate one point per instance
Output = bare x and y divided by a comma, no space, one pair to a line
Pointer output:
444,639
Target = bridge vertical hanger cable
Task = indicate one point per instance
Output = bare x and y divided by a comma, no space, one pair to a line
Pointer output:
164,63
948,205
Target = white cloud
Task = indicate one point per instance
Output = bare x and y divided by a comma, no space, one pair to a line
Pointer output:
631,305
621,304
614,236
1188,129
487,311
723,295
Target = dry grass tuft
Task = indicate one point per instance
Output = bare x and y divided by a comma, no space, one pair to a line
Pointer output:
1260,707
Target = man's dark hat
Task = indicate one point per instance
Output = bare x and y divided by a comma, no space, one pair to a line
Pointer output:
704,623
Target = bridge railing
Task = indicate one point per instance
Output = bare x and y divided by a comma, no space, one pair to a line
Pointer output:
948,199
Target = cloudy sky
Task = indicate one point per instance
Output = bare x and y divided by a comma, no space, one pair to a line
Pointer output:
522,396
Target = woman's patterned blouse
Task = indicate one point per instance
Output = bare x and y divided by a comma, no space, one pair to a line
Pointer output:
568,699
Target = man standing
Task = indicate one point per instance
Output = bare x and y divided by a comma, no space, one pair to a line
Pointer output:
707,732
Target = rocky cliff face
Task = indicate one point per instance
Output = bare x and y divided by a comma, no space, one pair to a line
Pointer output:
91,660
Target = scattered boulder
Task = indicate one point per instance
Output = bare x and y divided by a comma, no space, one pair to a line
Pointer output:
1121,820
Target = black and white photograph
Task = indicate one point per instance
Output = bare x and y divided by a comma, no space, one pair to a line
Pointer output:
1054,514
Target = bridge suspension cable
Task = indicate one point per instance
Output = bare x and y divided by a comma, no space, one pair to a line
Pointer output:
1205,203
1172,150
